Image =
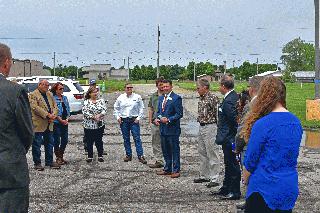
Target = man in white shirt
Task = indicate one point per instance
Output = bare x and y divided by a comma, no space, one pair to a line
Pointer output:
128,110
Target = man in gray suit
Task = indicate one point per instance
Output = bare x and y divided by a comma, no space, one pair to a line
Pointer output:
15,140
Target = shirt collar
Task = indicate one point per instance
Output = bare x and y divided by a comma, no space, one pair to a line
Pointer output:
228,93
254,97
168,95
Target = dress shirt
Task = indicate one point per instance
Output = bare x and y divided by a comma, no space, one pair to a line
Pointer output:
227,94
128,106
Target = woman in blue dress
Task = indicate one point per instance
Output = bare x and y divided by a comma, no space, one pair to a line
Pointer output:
274,136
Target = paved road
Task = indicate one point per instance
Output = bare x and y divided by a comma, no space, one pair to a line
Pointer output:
116,186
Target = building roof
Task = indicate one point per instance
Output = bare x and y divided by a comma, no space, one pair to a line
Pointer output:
304,74
276,73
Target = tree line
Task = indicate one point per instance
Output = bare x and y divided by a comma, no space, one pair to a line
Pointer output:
296,55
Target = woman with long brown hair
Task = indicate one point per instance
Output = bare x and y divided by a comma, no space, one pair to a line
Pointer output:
274,136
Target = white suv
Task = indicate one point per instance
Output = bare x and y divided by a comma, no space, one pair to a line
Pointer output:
72,90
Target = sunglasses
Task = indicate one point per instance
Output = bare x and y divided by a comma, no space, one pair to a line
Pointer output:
129,87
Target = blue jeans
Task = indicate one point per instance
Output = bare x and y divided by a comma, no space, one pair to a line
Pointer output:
60,136
46,138
126,126
171,153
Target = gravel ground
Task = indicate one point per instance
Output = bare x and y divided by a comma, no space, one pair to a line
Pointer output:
116,186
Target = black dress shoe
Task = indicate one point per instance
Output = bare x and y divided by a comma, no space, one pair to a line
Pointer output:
201,180
212,184
221,192
231,196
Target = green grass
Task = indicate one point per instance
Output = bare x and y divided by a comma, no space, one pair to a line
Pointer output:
296,98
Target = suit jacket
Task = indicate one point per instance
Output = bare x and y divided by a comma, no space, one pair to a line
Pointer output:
227,123
15,135
173,110
40,109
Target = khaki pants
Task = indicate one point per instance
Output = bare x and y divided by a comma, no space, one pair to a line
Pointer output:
156,143
209,152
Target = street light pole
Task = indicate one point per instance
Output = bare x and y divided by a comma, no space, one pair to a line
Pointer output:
194,71
257,66
54,63
128,69
317,50
158,59
225,67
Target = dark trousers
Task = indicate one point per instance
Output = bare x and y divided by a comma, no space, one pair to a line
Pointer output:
94,136
85,142
255,203
14,200
232,173
171,153
45,137
60,135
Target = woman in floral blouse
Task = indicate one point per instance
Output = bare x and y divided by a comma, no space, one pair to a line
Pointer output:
93,111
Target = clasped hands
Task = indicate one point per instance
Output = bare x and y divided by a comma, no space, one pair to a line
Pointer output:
164,120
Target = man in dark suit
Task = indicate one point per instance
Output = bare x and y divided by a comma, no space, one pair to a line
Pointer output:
227,129
15,140
170,111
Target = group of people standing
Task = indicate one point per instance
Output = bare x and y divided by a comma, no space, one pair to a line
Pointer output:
265,131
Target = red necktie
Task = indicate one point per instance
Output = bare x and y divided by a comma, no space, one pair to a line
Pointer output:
164,102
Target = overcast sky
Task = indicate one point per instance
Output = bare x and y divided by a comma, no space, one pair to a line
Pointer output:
106,31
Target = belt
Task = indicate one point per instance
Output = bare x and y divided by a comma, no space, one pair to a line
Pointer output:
129,118
203,124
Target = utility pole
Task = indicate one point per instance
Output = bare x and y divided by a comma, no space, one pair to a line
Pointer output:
77,68
257,66
233,64
194,70
128,69
317,50
124,62
225,67
158,59
54,63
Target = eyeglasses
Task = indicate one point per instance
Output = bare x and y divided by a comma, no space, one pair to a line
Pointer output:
129,87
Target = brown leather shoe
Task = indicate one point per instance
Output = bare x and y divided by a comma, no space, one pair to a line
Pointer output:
157,164
162,172
60,161
142,160
54,165
127,158
175,175
38,167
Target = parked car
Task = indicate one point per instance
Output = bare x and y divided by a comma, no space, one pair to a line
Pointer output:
72,90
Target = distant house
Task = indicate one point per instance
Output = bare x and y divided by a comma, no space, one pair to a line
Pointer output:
205,76
217,75
104,71
275,73
304,76
27,68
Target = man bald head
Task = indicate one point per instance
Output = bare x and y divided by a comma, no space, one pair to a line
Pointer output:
5,59
43,86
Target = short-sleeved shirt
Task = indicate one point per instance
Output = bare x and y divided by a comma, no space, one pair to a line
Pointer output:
153,104
207,108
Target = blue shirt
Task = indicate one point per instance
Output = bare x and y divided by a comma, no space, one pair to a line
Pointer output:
60,107
271,158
